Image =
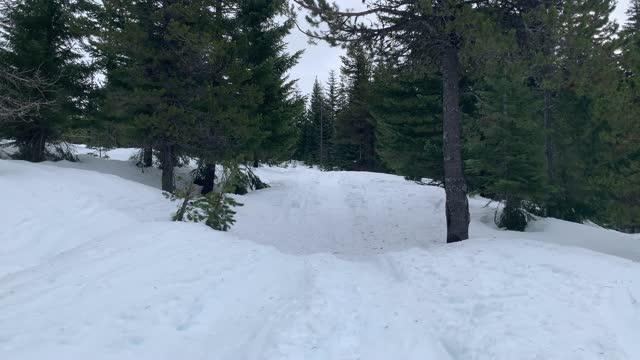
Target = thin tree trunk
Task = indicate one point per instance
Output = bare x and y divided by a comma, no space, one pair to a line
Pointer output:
179,216
548,142
167,162
209,177
457,205
321,136
147,156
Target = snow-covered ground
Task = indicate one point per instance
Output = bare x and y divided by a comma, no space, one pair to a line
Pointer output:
322,265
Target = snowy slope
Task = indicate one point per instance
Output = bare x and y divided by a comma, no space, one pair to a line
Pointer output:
320,266
46,210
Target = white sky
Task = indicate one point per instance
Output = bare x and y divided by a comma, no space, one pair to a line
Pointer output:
318,60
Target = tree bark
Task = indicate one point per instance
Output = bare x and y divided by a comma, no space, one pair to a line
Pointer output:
457,205
34,149
147,156
167,163
209,177
548,142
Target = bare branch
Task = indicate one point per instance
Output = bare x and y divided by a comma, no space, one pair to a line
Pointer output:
23,94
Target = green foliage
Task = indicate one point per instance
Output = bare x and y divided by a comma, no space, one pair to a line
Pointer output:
42,40
408,118
513,217
505,148
215,208
355,128
218,208
203,78
615,166
242,180
316,130
278,104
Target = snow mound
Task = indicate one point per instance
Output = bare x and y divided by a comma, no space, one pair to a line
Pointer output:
47,210
92,268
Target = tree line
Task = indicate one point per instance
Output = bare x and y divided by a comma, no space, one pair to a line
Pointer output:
531,103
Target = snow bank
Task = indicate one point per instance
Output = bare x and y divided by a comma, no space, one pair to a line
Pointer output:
47,210
336,266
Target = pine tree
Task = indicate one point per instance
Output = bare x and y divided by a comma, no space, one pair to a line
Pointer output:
355,137
617,174
331,116
630,42
407,110
312,143
278,104
505,153
564,42
181,78
43,41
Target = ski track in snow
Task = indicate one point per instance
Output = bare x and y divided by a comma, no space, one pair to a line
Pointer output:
352,267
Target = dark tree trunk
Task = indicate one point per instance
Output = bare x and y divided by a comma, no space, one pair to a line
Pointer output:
147,156
167,163
256,162
34,149
209,172
552,206
457,205
548,142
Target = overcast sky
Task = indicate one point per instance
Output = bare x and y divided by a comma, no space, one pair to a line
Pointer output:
318,60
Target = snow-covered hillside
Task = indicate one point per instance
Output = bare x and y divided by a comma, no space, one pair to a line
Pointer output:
322,265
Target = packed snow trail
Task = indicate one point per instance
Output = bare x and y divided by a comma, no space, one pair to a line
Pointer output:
354,268
344,213
357,214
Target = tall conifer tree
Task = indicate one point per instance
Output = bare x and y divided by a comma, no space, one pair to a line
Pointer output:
355,136
43,40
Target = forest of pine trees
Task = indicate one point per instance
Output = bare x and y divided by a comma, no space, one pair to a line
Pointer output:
535,104
543,93
205,79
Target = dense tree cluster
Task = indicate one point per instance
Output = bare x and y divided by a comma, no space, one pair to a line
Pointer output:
537,102
204,79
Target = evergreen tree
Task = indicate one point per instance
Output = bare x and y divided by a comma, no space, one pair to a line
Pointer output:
182,77
43,40
564,42
355,136
505,151
617,176
21,96
331,116
312,144
342,94
407,110
278,103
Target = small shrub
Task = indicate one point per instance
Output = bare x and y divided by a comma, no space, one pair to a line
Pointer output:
513,218
241,181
